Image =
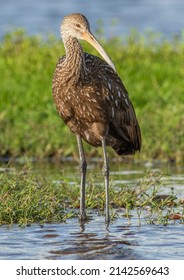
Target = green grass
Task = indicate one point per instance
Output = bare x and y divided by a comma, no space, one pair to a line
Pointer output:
153,74
26,197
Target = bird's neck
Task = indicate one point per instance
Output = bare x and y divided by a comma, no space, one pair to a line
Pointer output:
74,62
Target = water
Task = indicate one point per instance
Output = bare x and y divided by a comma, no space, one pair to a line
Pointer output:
165,16
124,239
69,241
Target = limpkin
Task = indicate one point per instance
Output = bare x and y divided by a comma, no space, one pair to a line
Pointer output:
92,100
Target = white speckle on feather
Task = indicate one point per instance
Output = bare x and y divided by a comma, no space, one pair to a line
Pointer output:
126,101
87,136
112,112
109,85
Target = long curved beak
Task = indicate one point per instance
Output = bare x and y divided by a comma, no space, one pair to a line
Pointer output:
88,36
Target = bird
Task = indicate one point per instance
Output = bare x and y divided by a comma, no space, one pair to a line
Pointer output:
93,102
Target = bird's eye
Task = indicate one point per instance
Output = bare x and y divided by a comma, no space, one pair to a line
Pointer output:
77,25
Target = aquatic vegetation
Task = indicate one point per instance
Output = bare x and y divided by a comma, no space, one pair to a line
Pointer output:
151,69
26,197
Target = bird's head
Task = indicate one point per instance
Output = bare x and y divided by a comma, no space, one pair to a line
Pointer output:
77,25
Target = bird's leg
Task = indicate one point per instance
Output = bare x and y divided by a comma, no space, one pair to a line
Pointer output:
106,177
83,167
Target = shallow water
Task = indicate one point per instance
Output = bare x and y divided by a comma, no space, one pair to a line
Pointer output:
123,239
94,241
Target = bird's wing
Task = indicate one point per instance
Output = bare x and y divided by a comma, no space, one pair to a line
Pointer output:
119,105
113,91
123,120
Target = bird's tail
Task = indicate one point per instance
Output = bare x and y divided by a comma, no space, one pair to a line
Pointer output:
125,141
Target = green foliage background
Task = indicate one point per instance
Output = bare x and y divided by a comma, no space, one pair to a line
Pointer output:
151,68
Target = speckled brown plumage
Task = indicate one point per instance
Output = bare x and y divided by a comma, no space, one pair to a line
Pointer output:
92,100
89,95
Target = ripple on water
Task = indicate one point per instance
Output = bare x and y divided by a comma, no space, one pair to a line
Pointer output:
93,241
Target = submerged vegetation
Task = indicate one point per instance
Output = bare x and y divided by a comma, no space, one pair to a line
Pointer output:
152,71
29,198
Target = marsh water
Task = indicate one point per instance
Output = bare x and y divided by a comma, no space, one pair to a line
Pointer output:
132,238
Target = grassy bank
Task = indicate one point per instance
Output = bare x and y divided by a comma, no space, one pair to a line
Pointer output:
153,74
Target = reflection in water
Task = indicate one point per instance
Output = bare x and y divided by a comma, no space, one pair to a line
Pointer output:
121,241
70,241
94,243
